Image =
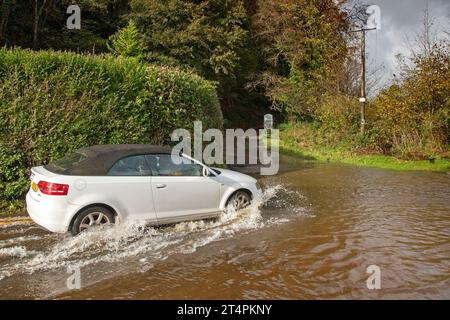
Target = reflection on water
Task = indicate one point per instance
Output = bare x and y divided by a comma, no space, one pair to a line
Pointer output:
313,235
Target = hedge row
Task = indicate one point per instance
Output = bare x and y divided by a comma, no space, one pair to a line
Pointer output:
52,103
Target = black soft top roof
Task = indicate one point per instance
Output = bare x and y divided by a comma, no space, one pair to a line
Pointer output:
100,158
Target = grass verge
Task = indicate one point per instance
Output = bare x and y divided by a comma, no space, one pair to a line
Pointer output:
313,152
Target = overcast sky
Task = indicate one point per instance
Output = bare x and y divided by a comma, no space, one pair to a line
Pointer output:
401,18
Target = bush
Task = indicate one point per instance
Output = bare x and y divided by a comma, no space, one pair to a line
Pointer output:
52,103
415,114
339,117
409,120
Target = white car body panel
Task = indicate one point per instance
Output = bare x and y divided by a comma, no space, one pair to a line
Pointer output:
131,196
185,196
54,213
155,199
231,181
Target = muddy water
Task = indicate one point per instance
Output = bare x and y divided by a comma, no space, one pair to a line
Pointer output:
313,235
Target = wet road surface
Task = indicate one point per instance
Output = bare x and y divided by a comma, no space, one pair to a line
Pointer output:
313,235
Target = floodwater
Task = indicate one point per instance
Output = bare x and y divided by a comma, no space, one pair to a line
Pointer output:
313,236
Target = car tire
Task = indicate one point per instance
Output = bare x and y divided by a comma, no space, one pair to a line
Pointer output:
239,200
92,217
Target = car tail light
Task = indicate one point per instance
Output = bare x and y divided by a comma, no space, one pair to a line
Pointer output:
53,189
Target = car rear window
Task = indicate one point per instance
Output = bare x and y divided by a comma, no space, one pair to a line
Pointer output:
65,163
162,165
130,166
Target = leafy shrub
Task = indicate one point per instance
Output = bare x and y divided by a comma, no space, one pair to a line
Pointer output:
415,114
52,103
339,117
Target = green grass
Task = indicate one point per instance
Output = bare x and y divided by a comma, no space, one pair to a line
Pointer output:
289,145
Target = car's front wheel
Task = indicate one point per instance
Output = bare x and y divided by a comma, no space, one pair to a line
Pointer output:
90,218
239,200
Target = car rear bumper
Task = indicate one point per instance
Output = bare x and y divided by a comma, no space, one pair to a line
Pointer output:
50,215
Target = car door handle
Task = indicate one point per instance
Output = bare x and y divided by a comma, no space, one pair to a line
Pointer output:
161,186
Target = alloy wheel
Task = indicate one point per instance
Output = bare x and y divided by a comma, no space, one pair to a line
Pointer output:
241,200
94,219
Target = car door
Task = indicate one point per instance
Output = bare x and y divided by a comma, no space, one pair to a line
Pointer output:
129,187
180,190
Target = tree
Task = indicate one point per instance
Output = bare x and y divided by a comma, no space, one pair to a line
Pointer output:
127,42
304,45
38,9
5,9
205,35
427,37
41,24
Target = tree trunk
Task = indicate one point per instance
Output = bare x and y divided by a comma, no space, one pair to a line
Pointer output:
5,9
36,25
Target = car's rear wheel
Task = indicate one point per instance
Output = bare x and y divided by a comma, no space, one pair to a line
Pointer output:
239,200
91,218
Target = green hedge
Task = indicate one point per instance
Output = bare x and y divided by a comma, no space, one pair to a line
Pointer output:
52,103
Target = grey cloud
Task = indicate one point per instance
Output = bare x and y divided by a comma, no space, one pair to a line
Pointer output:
401,18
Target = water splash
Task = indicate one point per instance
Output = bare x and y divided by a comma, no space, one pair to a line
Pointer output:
16,240
137,241
16,252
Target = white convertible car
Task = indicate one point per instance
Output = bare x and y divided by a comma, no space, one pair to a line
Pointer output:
105,184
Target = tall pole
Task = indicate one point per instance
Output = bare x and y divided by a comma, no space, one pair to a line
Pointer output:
363,98
363,82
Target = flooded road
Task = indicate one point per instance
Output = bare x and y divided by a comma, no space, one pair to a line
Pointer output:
313,235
